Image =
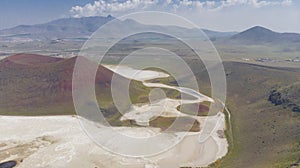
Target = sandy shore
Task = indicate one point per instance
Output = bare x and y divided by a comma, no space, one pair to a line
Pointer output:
139,75
59,141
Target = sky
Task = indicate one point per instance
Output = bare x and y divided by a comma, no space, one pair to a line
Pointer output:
220,15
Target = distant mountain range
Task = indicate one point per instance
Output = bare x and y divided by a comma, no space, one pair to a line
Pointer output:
85,26
82,28
61,28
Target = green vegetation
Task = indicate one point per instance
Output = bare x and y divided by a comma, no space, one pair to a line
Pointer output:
264,135
203,109
182,124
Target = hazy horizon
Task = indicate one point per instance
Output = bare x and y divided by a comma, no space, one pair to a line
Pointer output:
139,21
218,15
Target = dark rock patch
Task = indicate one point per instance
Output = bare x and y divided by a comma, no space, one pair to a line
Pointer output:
279,99
8,164
276,98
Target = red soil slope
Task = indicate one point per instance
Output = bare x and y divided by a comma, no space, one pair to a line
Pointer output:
42,83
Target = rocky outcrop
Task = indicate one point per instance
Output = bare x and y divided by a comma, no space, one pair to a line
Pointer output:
279,99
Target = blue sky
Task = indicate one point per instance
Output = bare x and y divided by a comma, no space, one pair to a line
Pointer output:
222,15
16,12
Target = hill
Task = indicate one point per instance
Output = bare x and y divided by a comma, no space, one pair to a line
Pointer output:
41,85
33,85
258,34
264,135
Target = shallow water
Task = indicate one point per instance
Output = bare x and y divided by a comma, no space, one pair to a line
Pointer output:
8,164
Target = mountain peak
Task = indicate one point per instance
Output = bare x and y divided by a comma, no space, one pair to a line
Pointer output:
110,16
256,34
259,29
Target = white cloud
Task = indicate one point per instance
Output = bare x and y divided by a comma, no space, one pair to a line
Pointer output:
253,3
287,2
102,7
115,7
